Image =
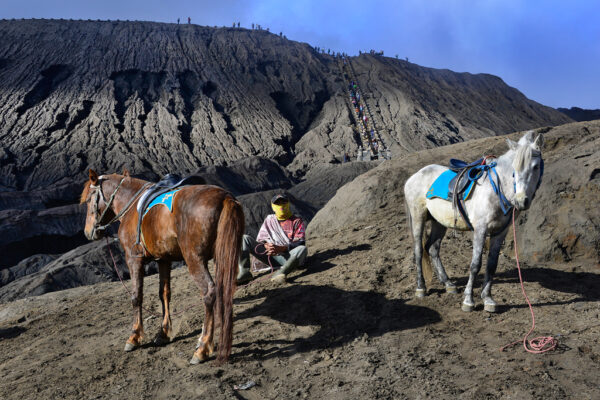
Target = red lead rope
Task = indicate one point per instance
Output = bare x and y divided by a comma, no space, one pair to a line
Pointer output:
540,344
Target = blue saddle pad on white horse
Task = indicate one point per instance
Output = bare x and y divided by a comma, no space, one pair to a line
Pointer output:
440,187
166,199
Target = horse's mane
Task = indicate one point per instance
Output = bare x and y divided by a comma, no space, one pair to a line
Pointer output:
523,157
86,191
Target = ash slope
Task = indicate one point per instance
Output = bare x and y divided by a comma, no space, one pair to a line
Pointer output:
160,98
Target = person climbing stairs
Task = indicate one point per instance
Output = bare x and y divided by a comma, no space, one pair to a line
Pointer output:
371,141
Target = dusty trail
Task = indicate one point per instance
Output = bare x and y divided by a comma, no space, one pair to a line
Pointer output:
347,326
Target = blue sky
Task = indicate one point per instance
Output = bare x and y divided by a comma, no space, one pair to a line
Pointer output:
548,49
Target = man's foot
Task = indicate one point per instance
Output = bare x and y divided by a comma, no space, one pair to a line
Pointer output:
244,277
278,276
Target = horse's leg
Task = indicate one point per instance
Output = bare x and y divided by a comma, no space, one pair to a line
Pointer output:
433,248
164,292
418,225
136,270
199,270
486,294
478,242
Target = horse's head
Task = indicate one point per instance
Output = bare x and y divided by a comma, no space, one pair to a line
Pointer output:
528,168
98,213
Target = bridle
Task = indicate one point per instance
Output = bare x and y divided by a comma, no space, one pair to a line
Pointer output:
98,227
535,154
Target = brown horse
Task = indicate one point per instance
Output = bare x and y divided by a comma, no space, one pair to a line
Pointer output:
205,222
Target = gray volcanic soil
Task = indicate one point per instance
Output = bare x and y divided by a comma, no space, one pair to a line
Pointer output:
348,326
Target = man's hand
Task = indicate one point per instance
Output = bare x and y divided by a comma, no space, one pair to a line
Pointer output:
273,249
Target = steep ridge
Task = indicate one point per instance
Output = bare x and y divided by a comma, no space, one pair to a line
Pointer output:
426,107
169,98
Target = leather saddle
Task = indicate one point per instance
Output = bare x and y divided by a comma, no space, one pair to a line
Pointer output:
465,174
166,184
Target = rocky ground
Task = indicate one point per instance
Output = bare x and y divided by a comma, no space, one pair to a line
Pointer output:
348,325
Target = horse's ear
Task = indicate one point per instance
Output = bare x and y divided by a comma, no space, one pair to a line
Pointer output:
93,177
538,143
126,172
512,144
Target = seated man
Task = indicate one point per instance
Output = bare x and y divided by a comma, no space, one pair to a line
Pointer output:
281,238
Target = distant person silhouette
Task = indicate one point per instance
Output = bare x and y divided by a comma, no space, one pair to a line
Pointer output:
189,20
177,21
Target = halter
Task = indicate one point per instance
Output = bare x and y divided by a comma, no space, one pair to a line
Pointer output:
100,196
536,154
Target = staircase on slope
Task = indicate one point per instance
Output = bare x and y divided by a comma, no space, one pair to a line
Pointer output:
372,142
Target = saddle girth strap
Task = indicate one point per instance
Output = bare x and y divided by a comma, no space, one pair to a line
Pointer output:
457,200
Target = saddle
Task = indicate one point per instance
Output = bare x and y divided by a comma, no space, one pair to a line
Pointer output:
166,184
465,175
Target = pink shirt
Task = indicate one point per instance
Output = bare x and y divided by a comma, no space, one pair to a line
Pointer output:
293,228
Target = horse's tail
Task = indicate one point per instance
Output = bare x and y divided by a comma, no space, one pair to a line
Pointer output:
425,260
227,253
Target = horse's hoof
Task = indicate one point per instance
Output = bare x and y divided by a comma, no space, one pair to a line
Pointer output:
467,307
130,347
451,289
490,307
420,293
197,360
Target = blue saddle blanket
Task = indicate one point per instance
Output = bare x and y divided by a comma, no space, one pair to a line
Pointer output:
166,199
439,188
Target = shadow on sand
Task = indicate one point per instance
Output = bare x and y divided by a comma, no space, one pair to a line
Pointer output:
584,284
340,316
319,262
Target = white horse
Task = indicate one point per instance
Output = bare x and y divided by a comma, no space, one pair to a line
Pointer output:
519,174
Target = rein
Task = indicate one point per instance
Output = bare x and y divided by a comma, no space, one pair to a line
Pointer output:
505,205
540,344
97,225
